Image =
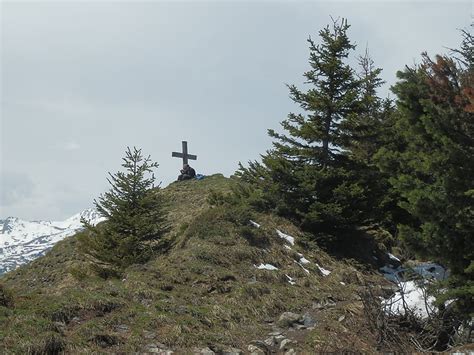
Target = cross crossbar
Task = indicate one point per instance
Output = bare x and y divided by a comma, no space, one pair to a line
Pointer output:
184,155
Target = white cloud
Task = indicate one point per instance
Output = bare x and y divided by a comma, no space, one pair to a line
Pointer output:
69,146
14,188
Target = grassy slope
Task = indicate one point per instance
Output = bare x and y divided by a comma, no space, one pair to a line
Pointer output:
204,292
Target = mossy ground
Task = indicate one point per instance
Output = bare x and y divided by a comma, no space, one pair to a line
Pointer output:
204,291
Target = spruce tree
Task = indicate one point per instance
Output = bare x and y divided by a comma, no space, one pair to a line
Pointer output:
317,138
309,175
135,215
369,130
364,129
432,166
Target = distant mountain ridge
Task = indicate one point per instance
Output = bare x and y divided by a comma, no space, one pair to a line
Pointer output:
23,241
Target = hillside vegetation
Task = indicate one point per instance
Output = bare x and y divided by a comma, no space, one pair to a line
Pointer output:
283,257
205,291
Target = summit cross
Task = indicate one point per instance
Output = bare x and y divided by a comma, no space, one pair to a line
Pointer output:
184,155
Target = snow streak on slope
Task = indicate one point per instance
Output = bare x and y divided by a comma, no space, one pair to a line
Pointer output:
22,241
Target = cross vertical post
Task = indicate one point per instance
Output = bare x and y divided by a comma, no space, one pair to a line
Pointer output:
184,155
185,152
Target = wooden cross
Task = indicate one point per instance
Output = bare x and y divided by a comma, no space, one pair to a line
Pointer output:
184,154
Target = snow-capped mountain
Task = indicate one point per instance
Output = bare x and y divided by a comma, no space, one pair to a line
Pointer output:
22,241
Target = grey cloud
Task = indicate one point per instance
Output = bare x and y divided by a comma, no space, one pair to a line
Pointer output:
107,75
15,188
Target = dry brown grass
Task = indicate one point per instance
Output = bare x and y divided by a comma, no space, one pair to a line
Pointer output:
205,290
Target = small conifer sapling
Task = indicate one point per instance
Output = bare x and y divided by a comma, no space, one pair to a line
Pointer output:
135,216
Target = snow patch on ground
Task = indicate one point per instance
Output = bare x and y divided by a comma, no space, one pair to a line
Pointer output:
303,260
287,237
393,257
412,297
255,224
266,267
290,280
323,270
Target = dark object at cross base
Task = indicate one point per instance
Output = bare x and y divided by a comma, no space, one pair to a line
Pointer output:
187,173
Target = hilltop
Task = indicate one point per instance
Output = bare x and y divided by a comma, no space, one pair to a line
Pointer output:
229,279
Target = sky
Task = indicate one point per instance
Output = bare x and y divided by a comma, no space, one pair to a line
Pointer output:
82,80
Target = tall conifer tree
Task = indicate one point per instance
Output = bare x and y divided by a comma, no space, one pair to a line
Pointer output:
309,175
317,137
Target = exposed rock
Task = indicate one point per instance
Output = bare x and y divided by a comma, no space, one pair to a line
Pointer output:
328,303
232,351
276,332
270,341
287,319
255,350
205,351
290,352
149,335
157,348
152,348
259,347
308,321
284,343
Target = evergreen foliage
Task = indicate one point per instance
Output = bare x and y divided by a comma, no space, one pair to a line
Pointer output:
135,216
318,137
369,131
432,166
366,127
318,172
